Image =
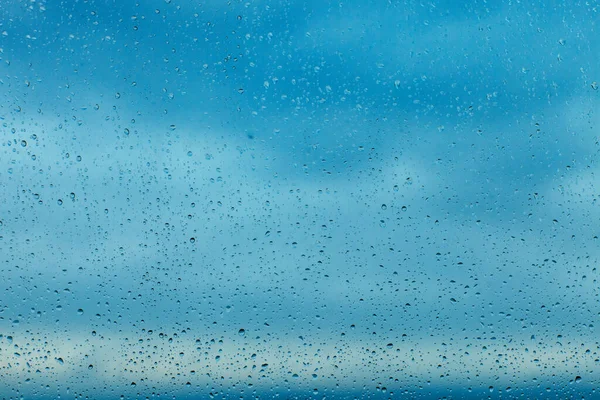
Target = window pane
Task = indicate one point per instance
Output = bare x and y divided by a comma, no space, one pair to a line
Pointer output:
299,199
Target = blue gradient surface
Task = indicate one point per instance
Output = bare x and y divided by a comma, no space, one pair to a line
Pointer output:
287,199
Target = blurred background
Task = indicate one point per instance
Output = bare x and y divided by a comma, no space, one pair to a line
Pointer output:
299,199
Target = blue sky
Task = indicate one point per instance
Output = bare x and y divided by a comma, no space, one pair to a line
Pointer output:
331,178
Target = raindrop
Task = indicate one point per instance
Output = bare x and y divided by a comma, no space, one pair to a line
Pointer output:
242,332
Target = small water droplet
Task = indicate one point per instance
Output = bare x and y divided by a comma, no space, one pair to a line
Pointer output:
192,240
80,311
404,208
23,143
90,367
59,202
242,332
384,207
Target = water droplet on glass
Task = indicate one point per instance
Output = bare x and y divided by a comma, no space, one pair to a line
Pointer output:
384,207
80,311
242,332
59,202
23,143
403,208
